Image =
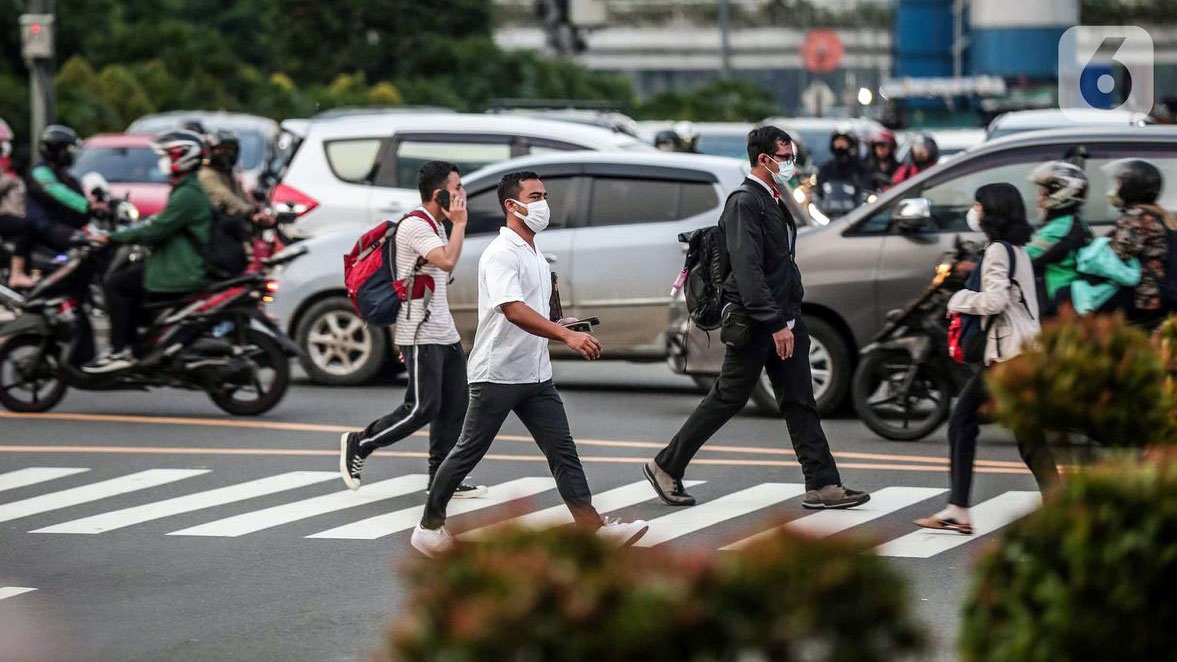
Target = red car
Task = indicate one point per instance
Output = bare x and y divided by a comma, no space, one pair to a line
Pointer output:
129,165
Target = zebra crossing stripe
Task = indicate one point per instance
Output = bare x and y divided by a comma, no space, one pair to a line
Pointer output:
118,519
828,522
34,475
987,518
267,518
13,591
95,491
605,502
403,520
737,504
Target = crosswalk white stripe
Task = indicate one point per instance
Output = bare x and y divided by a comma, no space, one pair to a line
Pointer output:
220,496
403,520
828,522
987,518
34,475
605,502
13,591
95,491
259,520
689,520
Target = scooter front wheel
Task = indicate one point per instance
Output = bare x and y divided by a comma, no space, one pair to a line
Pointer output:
894,403
30,379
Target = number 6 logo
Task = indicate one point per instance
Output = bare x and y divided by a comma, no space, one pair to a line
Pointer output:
1105,68
1103,74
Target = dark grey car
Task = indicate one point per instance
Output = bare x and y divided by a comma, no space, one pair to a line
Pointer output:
864,264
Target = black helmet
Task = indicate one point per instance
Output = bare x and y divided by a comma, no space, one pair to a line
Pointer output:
185,150
845,133
1064,182
1133,182
223,148
928,143
58,144
666,141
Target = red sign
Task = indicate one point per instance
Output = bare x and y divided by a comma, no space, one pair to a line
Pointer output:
822,51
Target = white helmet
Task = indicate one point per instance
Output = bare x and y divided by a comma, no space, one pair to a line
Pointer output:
184,150
1065,184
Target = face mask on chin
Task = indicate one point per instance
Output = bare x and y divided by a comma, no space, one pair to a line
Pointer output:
538,215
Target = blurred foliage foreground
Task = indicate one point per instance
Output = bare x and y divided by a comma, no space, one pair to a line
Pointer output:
1089,577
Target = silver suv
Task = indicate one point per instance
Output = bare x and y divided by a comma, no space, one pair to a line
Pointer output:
862,265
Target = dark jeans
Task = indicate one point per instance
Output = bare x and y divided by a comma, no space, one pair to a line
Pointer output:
125,297
54,235
963,428
542,411
17,230
793,385
436,396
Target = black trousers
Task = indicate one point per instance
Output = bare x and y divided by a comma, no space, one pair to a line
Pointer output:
436,396
54,235
125,295
793,386
963,428
542,411
17,230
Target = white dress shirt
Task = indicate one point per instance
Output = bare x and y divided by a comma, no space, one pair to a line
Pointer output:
510,270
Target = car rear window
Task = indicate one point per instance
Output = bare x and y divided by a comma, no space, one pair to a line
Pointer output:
485,216
353,160
468,156
121,164
626,200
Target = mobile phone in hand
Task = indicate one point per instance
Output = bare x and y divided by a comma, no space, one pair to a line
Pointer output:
443,199
583,326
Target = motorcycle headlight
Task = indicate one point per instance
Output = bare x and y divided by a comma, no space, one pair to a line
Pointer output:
943,271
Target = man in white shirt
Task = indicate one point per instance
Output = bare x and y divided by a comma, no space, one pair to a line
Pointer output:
425,331
510,370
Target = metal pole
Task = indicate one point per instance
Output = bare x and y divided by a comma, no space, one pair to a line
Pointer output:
42,95
725,47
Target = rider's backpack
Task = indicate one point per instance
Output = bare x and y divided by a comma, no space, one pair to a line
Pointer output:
369,273
224,254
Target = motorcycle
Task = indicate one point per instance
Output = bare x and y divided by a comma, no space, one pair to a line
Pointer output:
905,381
219,341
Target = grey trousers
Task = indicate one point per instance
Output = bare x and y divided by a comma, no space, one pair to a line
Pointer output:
541,410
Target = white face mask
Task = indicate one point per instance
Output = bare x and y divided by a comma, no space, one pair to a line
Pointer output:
165,165
785,173
538,215
973,218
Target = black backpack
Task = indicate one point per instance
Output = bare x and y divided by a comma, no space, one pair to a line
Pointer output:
706,267
224,254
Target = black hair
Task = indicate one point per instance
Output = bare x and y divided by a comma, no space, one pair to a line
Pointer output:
1004,214
763,140
432,177
511,184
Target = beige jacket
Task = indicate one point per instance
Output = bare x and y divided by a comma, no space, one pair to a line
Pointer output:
225,193
1017,325
12,195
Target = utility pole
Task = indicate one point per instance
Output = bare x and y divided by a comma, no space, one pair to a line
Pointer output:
37,48
725,47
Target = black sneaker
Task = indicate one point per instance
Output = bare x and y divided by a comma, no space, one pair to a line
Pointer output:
350,461
833,497
464,491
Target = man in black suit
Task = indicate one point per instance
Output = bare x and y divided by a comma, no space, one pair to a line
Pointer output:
763,290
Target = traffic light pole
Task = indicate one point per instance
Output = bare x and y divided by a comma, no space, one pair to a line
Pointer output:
42,91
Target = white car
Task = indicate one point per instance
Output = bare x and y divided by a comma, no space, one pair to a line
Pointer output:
613,240
353,170
1053,118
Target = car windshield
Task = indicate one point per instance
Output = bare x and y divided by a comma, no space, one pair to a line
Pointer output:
121,164
734,145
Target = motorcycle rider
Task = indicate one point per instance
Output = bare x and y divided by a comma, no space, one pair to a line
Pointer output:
222,188
882,164
1062,188
13,224
924,154
175,268
1142,232
682,137
56,206
845,168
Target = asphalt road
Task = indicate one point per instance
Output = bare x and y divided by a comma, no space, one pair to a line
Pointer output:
153,546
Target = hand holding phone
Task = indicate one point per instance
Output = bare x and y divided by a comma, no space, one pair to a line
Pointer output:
583,326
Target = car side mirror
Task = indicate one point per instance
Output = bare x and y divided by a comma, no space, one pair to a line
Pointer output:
912,215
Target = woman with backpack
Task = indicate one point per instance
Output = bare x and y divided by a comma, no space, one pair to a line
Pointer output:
1006,301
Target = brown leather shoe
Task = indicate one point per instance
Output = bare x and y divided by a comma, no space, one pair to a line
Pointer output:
669,489
833,497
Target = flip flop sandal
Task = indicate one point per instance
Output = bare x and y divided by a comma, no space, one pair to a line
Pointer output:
945,524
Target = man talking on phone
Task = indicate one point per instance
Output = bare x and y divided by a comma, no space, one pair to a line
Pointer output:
436,394
510,370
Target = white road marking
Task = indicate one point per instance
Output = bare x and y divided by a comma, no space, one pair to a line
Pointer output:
118,519
987,518
34,475
737,504
13,591
259,520
828,522
95,491
403,520
605,502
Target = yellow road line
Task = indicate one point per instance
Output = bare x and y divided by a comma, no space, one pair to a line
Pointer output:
605,443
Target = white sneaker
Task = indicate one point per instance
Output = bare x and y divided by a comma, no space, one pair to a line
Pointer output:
432,542
622,534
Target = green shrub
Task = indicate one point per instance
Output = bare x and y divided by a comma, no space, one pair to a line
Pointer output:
563,595
1095,375
1091,576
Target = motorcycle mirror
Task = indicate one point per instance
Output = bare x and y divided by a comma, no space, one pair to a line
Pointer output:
912,214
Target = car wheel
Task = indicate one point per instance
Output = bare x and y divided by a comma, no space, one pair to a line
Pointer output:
340,348
829,365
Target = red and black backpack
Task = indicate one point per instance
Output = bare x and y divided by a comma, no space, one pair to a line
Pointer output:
369,273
